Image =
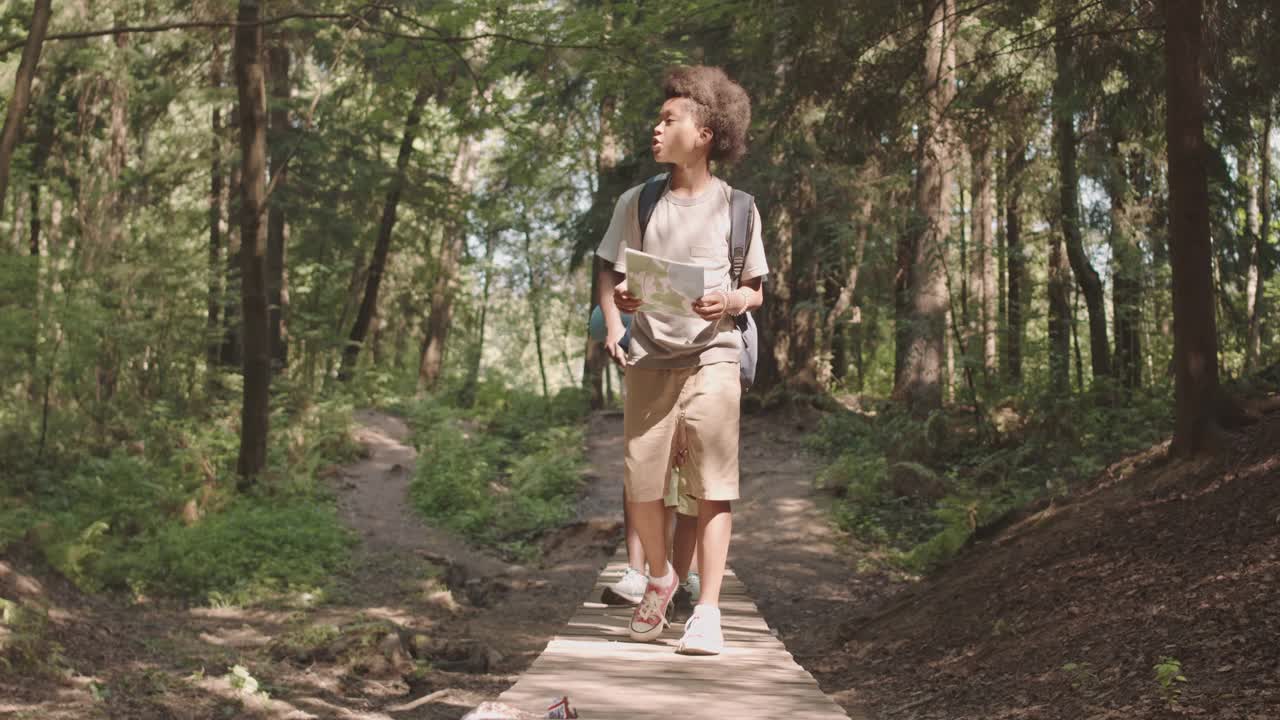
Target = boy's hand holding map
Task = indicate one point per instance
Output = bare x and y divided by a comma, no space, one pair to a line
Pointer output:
665,286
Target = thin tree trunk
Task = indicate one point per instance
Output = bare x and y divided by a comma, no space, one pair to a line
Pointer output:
21,97
216,285
918,384
836,316
535,309
1126,287
1016,261
256,329
595,359
277,230
232,351
431,366
477,357
1059,288
382,247
1195,335
982,271
1069,183
1260,197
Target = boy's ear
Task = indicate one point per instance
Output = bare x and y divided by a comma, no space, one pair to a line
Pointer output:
705,135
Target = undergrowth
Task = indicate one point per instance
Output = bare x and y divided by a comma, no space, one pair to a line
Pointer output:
919,490
150,506
503,470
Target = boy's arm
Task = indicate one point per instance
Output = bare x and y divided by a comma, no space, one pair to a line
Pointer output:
613,298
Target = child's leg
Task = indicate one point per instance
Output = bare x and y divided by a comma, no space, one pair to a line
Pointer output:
684,544
635,551
715,526
649,519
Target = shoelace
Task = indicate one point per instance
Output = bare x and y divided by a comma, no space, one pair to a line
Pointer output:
649,606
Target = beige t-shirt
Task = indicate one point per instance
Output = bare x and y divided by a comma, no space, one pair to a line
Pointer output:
691,230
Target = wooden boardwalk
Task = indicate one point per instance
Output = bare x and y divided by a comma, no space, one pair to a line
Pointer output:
606,675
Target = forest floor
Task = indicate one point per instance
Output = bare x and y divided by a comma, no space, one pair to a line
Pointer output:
1062,615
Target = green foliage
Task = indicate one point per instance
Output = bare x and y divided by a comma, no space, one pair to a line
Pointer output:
919,498
158,514
1169,679
503,471
247,553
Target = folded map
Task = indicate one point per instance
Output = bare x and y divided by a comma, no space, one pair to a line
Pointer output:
665,286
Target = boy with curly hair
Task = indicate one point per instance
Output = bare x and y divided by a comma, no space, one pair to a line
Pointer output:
682,377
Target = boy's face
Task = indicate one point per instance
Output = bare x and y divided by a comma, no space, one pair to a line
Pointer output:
677,138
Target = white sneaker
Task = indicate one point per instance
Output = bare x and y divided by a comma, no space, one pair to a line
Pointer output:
702,633
627,591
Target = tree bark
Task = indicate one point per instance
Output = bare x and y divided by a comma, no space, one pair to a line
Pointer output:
216,285
918,383
1126,284
841,309
232,351
1260,200
431,366
255,329
382,246
21,98
1087,278
1059,288
277,230
535,309
982,265
1195,335
477,356
595,360
1016,163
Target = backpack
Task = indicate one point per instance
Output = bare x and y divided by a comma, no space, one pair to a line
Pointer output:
741,220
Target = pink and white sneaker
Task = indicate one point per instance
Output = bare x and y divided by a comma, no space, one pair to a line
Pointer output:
650,616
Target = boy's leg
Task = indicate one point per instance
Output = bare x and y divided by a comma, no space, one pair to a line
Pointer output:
635,551
684,544
715,526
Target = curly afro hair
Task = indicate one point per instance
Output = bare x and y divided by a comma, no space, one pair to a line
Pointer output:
720,104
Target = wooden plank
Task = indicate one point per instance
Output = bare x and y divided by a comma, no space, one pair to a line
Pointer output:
605,675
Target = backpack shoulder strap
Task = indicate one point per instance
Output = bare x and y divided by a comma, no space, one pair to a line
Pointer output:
649,196
741,219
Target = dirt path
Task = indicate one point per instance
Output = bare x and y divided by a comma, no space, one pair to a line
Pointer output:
423,625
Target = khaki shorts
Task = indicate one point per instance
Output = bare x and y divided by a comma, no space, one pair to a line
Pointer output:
703,404
677,494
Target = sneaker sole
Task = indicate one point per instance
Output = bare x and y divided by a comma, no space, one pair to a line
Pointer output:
647,635
612,597
696,651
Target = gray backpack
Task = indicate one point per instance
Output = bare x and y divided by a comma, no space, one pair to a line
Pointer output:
741,220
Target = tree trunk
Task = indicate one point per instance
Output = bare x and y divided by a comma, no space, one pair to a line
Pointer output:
982,261
21,97
277,231
535,309
1059,288
255,328
842,312
477,356
1016,158
1087,278
382,247
1260,200
216,286
232,351
1126,287
595,360
431,366
1195,335
918,384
